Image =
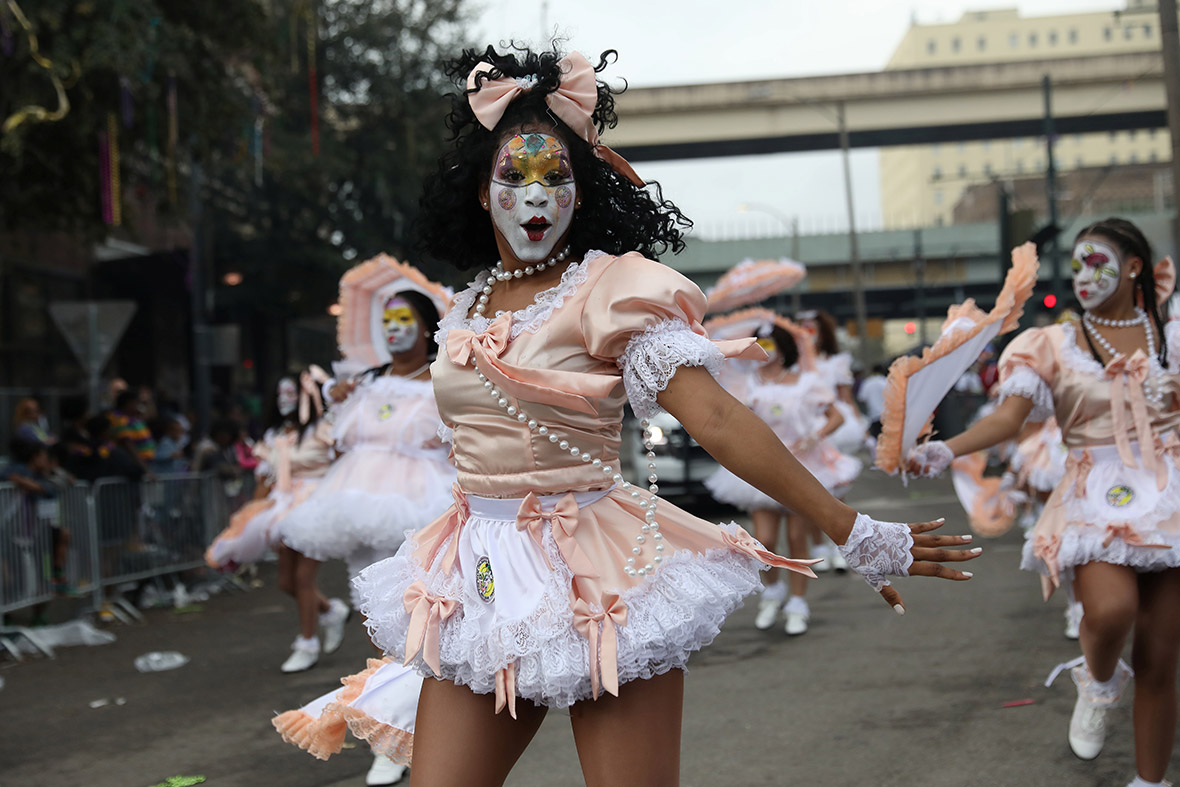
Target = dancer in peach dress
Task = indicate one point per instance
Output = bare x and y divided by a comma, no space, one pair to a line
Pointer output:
1112,525
553,582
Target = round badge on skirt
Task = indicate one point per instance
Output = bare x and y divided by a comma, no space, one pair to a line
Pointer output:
384,411
485,583
1120,495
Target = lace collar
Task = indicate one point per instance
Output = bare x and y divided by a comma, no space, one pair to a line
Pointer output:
1081,360
529,319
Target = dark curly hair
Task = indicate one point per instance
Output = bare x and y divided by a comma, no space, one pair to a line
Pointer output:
1131,241
788,350
616,215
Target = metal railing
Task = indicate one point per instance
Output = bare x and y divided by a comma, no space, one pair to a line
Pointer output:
119,532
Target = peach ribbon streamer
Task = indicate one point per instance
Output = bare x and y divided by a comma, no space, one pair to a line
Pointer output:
1081,465
1130,536
1127,376
1169,447
571,390
506,689
744,542
604,647
563,521
309,392
427,612
451,529
573,102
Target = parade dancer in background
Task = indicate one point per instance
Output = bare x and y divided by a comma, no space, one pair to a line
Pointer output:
799,406
393,476
295,452
552,582
835,368
1113,524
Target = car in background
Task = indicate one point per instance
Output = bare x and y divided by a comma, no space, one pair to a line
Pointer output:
682,465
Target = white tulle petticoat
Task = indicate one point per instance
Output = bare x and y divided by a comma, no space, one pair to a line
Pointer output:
368,500
514,607
835,470
849,437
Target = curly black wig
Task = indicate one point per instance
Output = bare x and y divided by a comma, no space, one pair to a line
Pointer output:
616,215
1131,241
788,350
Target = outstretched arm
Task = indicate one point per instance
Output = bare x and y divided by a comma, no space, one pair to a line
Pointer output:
1005,423
744,444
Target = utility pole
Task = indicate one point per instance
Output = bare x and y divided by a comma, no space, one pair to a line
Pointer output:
1170,49
201,336
1051,188
796,296
858,287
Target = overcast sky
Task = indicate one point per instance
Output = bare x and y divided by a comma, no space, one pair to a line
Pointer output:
662,42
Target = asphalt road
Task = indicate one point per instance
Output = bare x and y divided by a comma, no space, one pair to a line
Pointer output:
864,698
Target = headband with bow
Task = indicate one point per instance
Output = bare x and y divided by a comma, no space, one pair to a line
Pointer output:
573,102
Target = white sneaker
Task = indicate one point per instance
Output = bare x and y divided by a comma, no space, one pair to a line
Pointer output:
767,613
1087,726
822,552
384,771
304,655
332,624
1073,620
798,613
839,564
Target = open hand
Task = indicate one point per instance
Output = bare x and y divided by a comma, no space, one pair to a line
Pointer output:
930,552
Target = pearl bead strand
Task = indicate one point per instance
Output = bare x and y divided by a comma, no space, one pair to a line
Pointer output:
498,273
1152,390
650,528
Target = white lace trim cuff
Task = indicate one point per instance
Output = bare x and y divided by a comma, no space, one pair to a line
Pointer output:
652,358
878,549
1025,382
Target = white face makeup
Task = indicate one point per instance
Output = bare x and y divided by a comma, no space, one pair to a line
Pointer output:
288,398
400,326
1096,272
533,194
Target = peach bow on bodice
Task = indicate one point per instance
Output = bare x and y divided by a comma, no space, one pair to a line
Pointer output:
571,390
604,645
563,521
427,612
1127,376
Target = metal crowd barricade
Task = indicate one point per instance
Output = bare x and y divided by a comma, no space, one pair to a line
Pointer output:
155,527
119,532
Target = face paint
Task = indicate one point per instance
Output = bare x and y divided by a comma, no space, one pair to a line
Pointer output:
533,192
288,397
769,346
400,325
1096,271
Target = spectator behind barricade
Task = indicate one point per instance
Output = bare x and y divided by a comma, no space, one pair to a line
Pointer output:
218,455
75,449
32,473
113,459
29,424
171,447
244,450
129,430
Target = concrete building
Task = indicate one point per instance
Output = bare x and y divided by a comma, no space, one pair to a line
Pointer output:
921,185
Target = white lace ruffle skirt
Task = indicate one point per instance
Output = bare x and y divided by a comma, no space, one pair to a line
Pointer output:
849,437
835,470
725,487
248,542
513,608
1109,513
365,505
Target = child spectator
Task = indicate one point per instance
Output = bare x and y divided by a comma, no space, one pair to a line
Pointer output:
170,450
32,474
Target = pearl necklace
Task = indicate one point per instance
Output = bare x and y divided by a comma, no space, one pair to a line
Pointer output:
1140,318
497,273
1152,390
635,565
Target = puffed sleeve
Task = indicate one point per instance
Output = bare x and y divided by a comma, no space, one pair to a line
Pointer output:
646,318
1028,368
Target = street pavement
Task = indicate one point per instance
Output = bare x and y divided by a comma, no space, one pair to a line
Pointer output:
864,698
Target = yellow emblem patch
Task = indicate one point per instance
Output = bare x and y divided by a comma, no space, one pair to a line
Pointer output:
485,583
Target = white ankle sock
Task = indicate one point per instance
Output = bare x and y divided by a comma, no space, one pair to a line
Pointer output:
1141,782
307,643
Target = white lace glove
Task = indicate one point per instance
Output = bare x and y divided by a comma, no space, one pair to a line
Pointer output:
932,458
878,549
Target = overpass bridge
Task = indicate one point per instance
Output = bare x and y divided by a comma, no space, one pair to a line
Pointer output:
894,107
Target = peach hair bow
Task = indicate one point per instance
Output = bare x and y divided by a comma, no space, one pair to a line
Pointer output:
573,102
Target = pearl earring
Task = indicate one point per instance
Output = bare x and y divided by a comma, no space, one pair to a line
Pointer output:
1133,275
